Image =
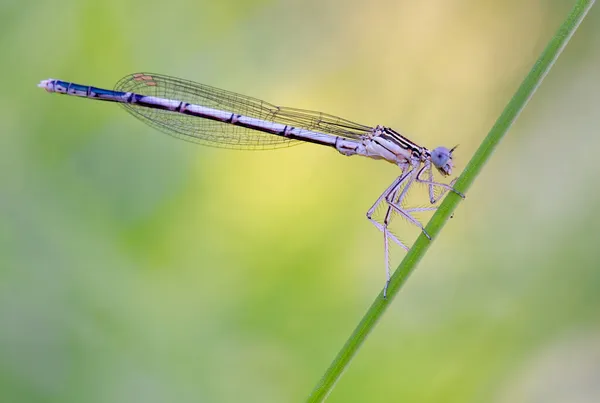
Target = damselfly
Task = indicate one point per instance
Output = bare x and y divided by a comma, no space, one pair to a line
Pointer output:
230,120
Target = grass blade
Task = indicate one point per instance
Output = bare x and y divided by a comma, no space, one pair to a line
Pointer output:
512,110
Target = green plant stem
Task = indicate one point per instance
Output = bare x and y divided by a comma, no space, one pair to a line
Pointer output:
483,153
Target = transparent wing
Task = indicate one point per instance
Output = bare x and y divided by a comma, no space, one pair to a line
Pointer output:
219,134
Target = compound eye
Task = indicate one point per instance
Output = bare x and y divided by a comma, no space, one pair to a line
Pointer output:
440,156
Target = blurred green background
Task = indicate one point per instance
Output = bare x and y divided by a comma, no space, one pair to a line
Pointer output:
138,268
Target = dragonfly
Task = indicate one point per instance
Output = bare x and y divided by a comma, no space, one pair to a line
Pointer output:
210,116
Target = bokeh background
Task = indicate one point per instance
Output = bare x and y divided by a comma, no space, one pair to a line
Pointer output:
138,268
